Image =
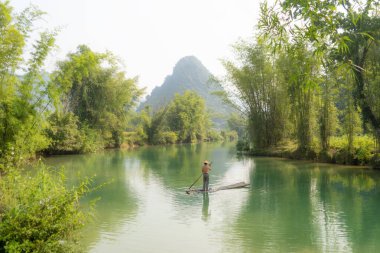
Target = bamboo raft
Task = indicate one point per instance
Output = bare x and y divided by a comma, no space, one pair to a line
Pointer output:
226,187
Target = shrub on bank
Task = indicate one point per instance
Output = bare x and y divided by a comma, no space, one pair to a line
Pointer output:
136,138
229,135
242,145
360,154
38,213
66,137
213,135
166,137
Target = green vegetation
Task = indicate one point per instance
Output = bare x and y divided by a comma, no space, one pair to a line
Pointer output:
307,87
39,213
65,135
311,78
187,117
100,97
262,97
22,100
85,105
183,120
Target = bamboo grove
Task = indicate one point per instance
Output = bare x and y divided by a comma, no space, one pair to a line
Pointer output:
309,81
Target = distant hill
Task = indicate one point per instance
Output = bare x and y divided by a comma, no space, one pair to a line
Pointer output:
190,74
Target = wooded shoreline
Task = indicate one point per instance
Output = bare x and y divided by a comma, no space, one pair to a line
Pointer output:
331,157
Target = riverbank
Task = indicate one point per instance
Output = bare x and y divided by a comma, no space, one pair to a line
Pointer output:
361,153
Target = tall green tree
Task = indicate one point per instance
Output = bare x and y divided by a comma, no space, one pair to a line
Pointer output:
327,115
257,90
22,99
154,123
300,73
187,117
372,88
37,212
96,91
346,31
351,124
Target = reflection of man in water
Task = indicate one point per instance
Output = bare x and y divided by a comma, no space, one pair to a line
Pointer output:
205,212
205,170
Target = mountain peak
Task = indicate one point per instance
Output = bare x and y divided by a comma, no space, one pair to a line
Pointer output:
188,61
188,74
190,70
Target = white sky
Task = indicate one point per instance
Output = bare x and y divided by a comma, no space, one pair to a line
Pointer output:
150,36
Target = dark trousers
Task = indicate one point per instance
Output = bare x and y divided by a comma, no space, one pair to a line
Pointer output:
205,181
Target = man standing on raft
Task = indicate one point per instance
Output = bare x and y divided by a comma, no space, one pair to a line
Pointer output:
205,170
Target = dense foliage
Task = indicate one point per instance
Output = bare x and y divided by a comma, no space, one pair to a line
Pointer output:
91,86
67,135
188,118
84,106
22,100
263,99
183,120
312,74
39,213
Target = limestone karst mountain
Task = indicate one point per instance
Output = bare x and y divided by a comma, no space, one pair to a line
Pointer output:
190,74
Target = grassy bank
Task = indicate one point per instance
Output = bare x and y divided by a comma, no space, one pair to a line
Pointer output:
361,152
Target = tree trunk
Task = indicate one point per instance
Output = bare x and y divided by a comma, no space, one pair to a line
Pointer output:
368,114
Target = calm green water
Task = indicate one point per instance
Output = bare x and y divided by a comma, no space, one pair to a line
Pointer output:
291,206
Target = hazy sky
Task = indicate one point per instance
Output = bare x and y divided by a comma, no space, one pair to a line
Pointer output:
150,36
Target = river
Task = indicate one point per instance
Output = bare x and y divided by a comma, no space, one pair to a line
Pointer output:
290,206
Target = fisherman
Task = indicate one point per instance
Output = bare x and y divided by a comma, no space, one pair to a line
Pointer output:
205,170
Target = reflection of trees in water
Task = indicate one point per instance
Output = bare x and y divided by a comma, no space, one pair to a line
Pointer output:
291,206
171,163
276,193
299,206
359,182
329,231
357,193
175,168
116,203
346,202
178,166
